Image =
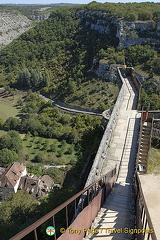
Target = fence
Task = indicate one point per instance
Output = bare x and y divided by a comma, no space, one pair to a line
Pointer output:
96,193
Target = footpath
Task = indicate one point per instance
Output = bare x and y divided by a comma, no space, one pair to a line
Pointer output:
117,215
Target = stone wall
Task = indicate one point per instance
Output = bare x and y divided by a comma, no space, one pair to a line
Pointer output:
100,156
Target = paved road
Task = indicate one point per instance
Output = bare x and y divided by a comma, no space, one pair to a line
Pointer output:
68,108
71,109
55,166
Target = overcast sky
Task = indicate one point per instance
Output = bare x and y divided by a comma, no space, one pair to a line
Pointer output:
66,1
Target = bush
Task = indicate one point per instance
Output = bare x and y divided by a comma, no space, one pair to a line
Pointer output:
7,157
156,142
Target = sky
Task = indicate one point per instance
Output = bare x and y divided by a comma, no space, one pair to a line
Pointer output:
67,1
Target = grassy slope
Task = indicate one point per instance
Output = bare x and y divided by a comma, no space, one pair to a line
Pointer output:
154,161
34,145
93,93
7,110
8,103
139,70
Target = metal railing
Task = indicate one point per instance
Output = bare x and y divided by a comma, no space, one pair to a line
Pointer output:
143,220
139,141
103,185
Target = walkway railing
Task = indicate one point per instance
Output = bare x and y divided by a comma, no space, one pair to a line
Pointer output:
143,220
95,195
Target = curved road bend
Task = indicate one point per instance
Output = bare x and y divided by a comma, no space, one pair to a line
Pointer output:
60,105
71,109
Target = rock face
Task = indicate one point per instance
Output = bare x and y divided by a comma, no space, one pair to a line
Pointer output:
97,21
106,71
12,25
137,33
128,33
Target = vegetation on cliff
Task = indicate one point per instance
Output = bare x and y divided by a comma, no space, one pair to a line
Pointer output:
56,58
128,11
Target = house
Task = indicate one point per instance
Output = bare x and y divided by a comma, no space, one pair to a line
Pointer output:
30,184
10,179
15,177
45,184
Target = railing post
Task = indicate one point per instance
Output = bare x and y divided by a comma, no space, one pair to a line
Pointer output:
66,216
75,208
53,219
88,193
35,234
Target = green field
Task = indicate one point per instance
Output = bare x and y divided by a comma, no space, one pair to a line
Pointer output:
60,154
8,110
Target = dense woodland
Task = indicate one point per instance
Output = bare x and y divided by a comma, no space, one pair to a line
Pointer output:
130,11
56,57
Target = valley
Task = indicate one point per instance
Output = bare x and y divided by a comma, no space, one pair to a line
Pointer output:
71,58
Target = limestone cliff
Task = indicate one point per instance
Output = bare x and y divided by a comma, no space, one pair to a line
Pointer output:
128,33
12,25
137,33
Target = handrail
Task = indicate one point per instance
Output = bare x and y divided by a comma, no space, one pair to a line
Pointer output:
142,213
151,111
94,187
139,141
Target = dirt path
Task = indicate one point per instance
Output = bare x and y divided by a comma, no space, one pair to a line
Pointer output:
151,189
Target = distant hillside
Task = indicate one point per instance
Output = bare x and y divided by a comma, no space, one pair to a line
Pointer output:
76,45
12,25
18,18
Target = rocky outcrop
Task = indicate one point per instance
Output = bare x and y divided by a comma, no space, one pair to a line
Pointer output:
137,33
100,26
106,71
97,21
128,33
12,25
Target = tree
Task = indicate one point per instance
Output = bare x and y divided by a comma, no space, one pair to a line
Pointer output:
11,141
131,17
24,78
1,122
15,144
7,157
53,147
46,144
12,123
39,158
5,141
63,146
17,210
20,102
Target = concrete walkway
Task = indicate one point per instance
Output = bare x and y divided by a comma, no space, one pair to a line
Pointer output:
117,213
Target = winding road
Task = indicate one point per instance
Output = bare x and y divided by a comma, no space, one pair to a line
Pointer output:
69,108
